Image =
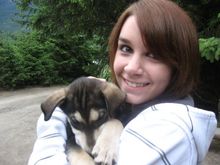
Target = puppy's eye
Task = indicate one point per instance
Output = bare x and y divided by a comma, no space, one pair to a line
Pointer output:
76,124
102,117
102,113
74,121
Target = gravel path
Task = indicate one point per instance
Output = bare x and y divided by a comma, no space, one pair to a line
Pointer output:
19,111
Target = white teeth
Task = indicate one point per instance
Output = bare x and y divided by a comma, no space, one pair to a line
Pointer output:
134,84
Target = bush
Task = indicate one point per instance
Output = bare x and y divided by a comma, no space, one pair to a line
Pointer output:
27,61
210,48
7,66
105,72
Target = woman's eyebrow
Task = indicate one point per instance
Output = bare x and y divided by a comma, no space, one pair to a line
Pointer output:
124,40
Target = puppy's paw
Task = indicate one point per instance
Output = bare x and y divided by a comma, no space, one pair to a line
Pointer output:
82,161
77,156
105,151
105,155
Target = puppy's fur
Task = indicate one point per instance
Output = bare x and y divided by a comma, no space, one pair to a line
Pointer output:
93,131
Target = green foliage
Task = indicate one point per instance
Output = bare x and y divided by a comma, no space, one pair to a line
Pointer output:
78,28
95,51
33,60
34,57
210,48
203,13
7,63
105,72
67,39
27,62
66,17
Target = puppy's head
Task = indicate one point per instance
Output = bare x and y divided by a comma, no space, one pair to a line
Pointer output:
83,95
88,103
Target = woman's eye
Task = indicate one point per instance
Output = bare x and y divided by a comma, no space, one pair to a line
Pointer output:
125,48
150,55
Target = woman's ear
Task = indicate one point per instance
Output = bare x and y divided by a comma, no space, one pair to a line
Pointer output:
114,96
54,100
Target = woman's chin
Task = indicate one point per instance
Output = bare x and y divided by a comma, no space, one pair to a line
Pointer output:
135,99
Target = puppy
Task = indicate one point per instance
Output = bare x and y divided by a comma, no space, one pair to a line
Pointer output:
92,107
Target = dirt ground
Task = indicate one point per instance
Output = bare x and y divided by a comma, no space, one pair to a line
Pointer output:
213,156
19,111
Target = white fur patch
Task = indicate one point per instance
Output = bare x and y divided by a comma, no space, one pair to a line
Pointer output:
81,139
78,117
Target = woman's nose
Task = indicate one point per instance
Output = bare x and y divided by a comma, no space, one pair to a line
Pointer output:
134,66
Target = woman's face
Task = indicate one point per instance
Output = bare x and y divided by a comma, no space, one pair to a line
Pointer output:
138,73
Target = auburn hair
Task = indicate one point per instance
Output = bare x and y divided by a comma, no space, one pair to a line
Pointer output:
169,33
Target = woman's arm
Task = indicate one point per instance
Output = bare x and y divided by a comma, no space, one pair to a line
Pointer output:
50,145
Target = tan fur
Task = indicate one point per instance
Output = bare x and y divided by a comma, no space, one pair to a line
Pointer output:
113,94
94,115
77,156
106,146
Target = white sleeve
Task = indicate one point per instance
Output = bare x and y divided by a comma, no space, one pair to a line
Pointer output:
153,139
50,145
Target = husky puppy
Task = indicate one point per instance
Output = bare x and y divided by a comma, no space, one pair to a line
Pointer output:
93,130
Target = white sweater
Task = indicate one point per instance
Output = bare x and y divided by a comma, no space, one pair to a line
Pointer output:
166,133
49,148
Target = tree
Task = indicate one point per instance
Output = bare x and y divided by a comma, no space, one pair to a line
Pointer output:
73,25
69,17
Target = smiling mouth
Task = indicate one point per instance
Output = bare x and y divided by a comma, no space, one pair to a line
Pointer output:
136,84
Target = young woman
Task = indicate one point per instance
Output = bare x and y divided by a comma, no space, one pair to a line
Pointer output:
154,57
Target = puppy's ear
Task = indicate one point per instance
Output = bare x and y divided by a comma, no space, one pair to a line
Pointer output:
114,96
52,102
